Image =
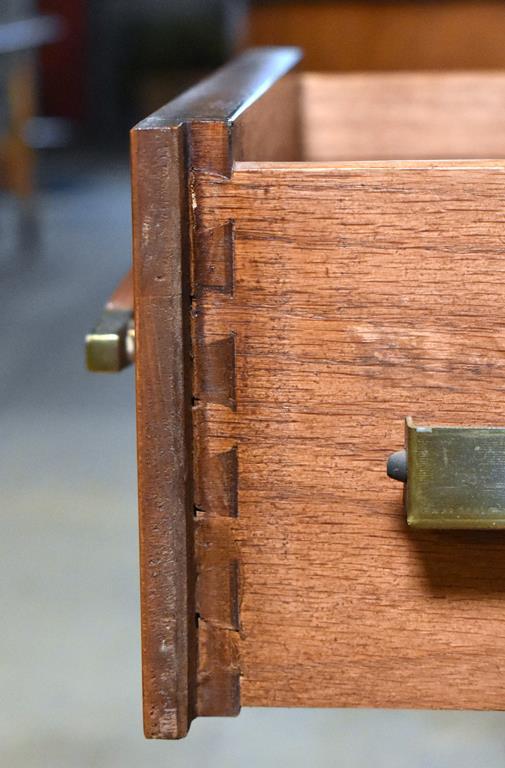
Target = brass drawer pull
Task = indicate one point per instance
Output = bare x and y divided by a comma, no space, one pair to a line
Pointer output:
454,476
110,346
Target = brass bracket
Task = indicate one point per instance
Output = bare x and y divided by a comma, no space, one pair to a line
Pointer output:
110,346
454,476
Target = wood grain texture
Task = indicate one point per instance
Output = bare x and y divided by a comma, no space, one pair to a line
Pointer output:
365,35
269,128
189,573
363,292
403,115
164,431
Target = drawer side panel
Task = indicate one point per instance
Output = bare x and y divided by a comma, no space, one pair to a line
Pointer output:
363,292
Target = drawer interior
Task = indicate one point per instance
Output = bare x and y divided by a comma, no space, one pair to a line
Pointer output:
402,115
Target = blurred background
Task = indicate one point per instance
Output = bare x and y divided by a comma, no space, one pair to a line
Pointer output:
74,76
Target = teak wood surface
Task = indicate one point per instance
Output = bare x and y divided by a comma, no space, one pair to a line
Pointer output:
290,312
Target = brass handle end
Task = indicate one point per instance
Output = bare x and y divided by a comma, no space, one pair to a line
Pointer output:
110,346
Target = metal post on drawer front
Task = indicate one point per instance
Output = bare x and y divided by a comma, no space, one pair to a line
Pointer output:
110,346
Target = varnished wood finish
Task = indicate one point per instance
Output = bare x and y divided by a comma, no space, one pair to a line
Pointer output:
365,35
190,598
164,431
403,115
363,292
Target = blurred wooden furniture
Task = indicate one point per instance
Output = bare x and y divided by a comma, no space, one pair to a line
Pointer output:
304,280
18,41
364,35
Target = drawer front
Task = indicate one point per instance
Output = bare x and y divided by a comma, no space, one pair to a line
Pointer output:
251,107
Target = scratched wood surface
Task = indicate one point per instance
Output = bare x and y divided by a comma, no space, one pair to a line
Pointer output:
374,116
163,431
362,293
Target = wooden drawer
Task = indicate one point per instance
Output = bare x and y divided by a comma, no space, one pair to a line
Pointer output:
315,258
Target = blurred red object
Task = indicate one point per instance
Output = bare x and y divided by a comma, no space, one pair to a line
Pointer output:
63,90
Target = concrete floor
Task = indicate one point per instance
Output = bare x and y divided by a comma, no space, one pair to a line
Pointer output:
69,639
